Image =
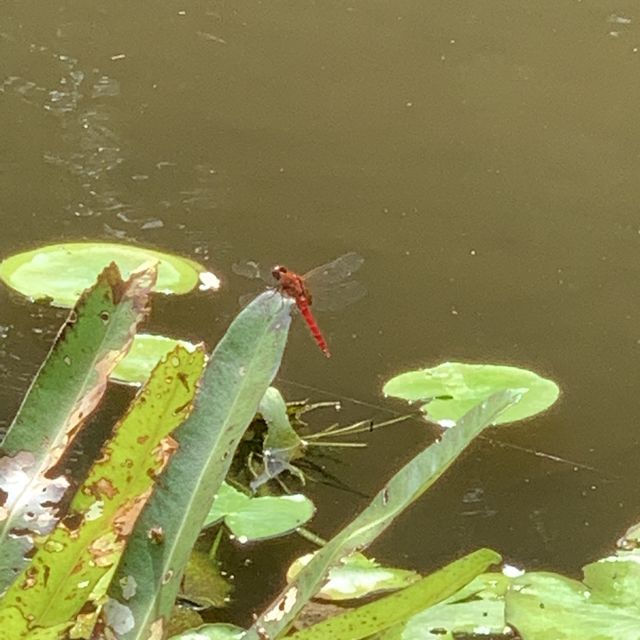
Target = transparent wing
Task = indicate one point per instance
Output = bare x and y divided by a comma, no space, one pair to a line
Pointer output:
327,283
251,269
335,271
338,296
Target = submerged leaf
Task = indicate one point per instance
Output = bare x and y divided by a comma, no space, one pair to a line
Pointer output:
63,395
202,583
60,272
218,631
451,389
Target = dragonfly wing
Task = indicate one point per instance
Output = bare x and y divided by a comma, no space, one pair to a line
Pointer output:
334,272
338,296
251,269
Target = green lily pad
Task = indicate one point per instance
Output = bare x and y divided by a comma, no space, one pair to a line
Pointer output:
546,605
145,353
59,273
451,389
216,631
251,519
356,577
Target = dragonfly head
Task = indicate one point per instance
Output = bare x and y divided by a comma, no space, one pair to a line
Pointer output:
278,271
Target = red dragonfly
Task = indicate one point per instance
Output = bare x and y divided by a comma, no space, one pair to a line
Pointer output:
326,287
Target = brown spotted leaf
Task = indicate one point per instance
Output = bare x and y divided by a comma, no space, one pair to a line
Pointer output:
66,390
70,571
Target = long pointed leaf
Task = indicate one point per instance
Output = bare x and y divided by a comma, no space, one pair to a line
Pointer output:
373,617
406,486
239,372
64,393
70,570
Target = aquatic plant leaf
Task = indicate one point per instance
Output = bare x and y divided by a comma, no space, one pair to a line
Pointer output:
202,583
451,389
59,273
145,353
71,569
217,631
404,488
477,608
240,369
546,605
251,519
374,617
615,579
64,393
280,434
356,577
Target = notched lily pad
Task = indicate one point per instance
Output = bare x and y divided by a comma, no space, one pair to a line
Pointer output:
451,389
145,353
59,273
251,519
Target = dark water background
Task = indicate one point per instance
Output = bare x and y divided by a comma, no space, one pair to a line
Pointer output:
483,156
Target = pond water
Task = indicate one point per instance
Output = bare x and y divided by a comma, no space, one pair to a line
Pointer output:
482,156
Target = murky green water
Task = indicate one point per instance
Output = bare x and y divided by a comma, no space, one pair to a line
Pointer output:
483,156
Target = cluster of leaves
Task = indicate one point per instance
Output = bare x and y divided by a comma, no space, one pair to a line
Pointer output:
109,560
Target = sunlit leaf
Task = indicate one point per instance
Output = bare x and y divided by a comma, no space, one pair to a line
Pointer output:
59,273
70,571
218,631
239,371
477,608
546,605
357,576
251,519
406,486
451,389
373,617
65,392
143,356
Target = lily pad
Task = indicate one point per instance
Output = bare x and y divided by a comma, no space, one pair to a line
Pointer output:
546,605
451,389
357,576
145,353
59,273
252,519
216,631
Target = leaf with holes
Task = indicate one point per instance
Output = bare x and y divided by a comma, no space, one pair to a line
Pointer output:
71,568
66,390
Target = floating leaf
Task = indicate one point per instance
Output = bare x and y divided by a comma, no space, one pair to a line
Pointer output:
356,576
451,389
251,519
218,631
546,605
145,353
66,390
59,273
